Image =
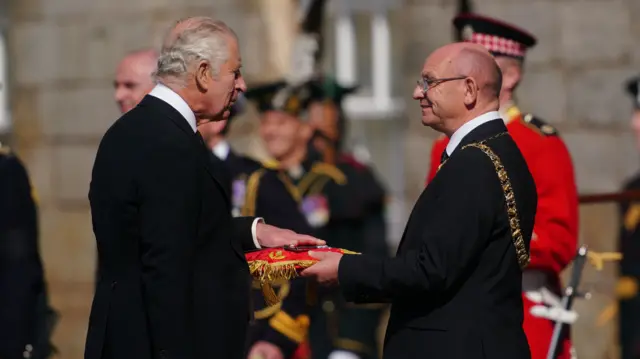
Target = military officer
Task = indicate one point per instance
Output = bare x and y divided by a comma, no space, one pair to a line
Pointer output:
317,192
629,246
343,330
24,314
554,241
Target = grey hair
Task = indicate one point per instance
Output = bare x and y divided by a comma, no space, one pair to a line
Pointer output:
201,39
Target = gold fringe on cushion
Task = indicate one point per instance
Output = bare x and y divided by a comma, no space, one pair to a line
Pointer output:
269,272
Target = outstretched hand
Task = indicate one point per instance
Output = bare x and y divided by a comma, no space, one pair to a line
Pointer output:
270,236
326,269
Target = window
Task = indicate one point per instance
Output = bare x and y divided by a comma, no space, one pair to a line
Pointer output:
361,41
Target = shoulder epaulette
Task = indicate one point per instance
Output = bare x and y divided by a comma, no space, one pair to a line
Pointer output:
539,126
294,329
350,160
270,164
331,171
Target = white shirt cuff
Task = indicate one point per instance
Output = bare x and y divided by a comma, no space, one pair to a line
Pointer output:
342,354
254,226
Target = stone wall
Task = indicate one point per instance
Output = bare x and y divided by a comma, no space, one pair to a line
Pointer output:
63,54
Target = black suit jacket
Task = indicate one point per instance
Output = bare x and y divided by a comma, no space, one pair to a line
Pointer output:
173,277
455,284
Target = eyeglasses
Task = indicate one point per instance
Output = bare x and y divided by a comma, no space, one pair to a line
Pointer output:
425,83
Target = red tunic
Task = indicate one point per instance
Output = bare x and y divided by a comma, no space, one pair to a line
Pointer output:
555,233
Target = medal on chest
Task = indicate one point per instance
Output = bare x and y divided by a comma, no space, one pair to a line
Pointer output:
238,193
316,209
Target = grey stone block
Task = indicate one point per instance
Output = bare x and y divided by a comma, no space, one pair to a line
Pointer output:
597,97
85,111
29,42
416,165
435,28
72,165
594,31
541,18
596,159
544,93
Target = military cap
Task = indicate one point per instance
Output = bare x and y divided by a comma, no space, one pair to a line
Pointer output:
500,38
633,85
327,88
279,96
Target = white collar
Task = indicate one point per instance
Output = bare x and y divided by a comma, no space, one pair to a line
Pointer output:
174,100
222,149
464,130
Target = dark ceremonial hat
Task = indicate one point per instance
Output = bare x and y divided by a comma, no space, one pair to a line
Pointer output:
500,38
279,96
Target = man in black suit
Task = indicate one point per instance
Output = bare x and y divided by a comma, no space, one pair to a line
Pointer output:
455,283
173,277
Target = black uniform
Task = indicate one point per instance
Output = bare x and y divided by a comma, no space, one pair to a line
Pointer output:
314,198
455,284
338,325
629,268
23,300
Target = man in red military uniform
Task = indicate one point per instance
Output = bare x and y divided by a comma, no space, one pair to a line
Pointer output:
554,240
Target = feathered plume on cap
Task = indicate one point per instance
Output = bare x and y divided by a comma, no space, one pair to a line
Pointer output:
293,94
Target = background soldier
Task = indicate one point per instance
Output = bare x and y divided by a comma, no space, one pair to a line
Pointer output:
629,246
26,321
554,241
340,329
318,193
134,78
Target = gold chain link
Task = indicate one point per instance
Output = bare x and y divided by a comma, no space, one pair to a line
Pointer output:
510,200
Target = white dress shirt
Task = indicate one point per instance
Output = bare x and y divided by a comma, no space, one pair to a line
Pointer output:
221,150
464,130
169,96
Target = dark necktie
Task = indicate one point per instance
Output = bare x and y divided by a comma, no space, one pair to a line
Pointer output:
444,156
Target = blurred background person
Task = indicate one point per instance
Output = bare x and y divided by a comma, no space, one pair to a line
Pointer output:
26,320
134,78
629,246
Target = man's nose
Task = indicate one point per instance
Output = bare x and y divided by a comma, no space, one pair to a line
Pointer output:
241,85
418,93
120,93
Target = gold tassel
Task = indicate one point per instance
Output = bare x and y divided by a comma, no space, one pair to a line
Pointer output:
270,296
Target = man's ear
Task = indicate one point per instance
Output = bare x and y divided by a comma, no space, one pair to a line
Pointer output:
470,91
306,131
511,76
203,76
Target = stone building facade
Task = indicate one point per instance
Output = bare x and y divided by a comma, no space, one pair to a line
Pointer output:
62,55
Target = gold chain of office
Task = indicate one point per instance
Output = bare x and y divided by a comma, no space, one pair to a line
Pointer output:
510,200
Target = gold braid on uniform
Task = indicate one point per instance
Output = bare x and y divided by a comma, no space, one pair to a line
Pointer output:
510,200
251,194
331,171
294,329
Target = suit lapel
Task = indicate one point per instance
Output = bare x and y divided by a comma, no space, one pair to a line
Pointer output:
208,165
479,133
